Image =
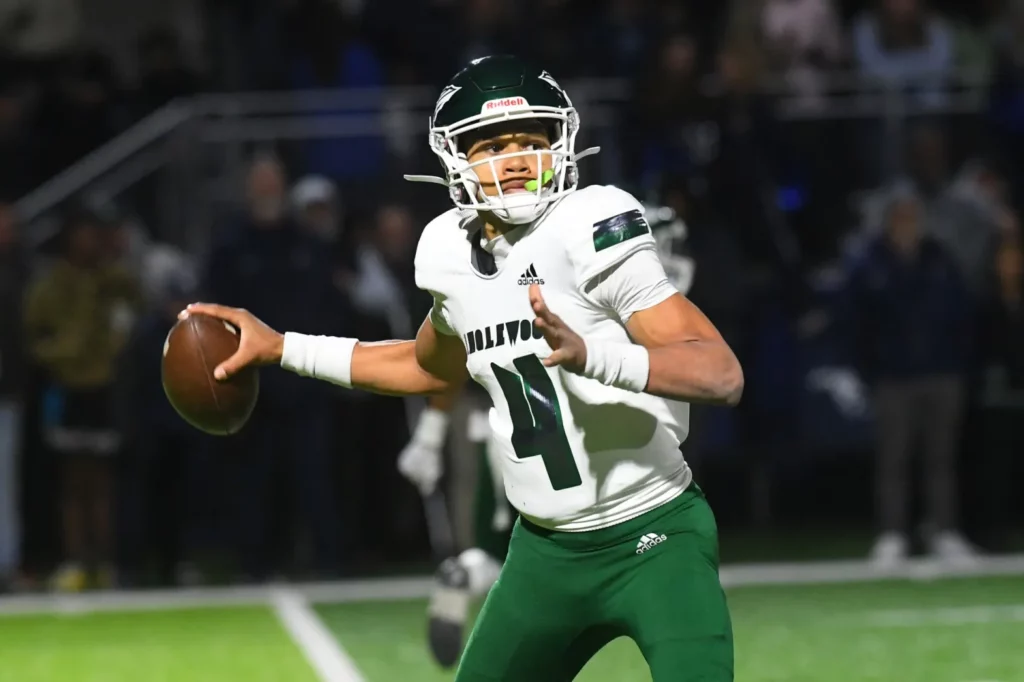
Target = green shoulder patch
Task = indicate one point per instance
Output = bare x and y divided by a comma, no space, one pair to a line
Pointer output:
619,228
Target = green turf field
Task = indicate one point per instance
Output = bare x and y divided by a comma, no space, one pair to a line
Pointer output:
944,631
964,630
203,645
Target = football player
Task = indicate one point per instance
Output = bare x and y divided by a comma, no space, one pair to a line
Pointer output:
590,374
472,573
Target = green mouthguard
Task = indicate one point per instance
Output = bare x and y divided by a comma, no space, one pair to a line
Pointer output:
531,185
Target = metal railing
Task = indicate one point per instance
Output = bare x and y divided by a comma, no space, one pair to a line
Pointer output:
200,143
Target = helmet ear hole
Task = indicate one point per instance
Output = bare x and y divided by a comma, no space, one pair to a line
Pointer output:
572,176
459,194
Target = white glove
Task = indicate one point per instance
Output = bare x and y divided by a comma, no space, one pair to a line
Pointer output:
421,461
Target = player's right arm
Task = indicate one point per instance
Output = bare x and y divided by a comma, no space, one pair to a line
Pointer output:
433,363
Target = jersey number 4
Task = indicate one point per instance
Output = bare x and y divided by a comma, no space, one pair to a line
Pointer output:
537,429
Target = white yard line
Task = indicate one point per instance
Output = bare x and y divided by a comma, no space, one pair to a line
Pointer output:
320,646
945,616
823,572
740,575
216,597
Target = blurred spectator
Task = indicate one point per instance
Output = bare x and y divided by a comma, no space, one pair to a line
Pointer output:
963,217
483,28
162,478
1007,94
78,317
166,476
407,48
909,316
742,178
39,32
385,292
317,207
625,33
319,212
13,279
906,47
804,41
719,288
386,286
548,44
673,131
19,138
266,264
163,74
330,54
1003,432
80,112
153,264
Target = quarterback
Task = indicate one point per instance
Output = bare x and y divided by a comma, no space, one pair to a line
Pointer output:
471,574
590,373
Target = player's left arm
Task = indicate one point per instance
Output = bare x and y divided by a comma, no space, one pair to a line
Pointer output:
676,353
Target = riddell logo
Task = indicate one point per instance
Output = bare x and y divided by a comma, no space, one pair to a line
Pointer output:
505,103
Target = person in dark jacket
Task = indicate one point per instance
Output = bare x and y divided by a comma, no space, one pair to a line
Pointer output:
13,278
1003,398
284,275
910,313
168,469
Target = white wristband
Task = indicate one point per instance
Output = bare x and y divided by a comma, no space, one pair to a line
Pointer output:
622,365
322,357
432,428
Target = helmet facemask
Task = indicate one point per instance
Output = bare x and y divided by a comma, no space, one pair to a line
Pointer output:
501,89
557,175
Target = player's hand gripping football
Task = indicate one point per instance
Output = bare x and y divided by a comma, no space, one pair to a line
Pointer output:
568,349
259,344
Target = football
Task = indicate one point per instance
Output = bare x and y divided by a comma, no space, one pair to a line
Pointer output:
193,349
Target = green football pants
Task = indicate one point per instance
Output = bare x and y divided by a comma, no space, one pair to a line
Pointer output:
562,596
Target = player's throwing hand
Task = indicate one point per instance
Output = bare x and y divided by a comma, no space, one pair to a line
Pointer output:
569,350
259,345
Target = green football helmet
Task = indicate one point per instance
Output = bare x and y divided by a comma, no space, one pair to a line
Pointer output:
499,89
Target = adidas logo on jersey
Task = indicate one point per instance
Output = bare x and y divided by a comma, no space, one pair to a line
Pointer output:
530,277
648,541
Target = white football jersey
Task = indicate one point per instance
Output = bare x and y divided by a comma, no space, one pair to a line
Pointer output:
575,454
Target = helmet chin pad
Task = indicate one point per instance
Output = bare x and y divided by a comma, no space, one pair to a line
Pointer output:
516,209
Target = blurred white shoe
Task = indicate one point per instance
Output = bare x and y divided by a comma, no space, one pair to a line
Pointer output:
448,612
890,551
187,574
483,570
953,548
457,582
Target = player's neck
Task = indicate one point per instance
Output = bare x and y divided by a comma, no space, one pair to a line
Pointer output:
493,228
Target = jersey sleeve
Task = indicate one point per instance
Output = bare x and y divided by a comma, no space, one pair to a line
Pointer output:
430,270
610,227
439,318
637,283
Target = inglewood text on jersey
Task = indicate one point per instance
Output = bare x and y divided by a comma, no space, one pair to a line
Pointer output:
500,334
